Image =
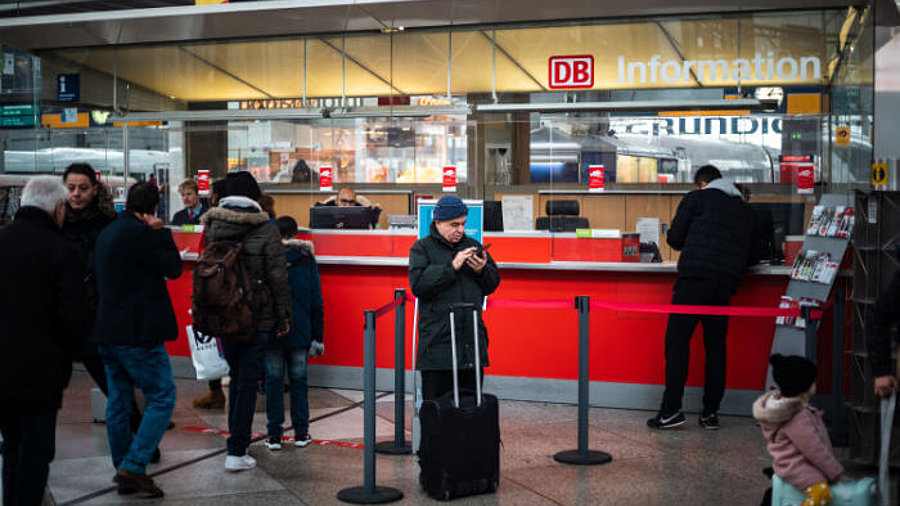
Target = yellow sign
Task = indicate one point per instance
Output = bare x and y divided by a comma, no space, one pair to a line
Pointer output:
879,174
842,136
83,120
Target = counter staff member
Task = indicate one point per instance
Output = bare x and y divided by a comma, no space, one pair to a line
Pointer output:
45,320
885,315
712,229
346,197
445,268
194,206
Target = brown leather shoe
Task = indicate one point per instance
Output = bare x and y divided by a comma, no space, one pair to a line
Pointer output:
130,483
215,399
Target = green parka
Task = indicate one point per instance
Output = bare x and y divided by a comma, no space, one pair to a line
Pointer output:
437,285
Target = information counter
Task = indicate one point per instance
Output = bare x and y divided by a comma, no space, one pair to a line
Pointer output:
533,352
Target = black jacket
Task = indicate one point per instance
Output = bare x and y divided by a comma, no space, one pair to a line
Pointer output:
84,229
262,253
182,217
306,297
884,316
132,262
713,228
43,310
437,285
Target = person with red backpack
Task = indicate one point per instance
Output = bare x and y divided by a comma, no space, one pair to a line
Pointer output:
239,220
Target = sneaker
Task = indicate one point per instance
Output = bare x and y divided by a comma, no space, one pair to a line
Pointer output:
273,443
709,421
302,440
215,399
664,421
234,463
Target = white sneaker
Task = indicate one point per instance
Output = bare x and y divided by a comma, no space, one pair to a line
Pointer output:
234,463
302,441
274,443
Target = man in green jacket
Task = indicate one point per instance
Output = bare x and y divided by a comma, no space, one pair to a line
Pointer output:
448,267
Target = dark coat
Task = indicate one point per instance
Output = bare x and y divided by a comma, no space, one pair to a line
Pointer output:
132,262
306,298
262,253
885,314
713,228
437,285
43,310
84,229
182,217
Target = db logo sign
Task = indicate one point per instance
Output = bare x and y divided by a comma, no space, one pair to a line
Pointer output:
572,71
595,178
325,179
449,179
203,182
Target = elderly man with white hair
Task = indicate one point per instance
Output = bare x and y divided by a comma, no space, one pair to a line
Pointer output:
43,316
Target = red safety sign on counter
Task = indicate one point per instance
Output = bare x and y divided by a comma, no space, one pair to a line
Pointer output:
449,179
595,178
805,177
203,182
325,179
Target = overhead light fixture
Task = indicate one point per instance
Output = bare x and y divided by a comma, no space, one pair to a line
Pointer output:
222,115
410,111
751,104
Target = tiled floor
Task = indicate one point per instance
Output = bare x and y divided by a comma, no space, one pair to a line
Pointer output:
681,466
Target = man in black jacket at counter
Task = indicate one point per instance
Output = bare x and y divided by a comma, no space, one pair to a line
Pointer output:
884,316
712,228
45,320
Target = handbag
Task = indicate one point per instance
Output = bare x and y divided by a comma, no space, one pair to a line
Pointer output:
206,354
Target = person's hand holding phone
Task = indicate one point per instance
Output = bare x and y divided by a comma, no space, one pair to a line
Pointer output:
478,259
462,257
152,221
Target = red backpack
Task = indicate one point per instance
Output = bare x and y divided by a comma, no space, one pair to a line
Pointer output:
224,301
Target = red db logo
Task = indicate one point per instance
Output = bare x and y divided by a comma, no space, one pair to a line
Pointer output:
572,71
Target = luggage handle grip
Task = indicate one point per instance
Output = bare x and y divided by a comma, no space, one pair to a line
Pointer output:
478,394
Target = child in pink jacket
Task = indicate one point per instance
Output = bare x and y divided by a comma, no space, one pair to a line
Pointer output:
797,440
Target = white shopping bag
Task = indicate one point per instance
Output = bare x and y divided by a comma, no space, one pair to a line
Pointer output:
206,353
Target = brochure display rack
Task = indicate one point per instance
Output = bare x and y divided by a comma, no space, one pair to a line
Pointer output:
812,276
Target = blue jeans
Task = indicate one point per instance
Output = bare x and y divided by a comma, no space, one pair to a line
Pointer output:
245,361
149,369
296,367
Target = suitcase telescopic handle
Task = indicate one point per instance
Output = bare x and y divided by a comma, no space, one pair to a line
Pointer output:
453,308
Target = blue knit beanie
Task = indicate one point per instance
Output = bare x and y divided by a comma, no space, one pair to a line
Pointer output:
449,207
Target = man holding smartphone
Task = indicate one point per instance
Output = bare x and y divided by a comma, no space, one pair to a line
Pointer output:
448,267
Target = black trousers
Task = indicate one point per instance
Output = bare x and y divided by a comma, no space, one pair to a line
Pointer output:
246,363
29,444
437,383
689,291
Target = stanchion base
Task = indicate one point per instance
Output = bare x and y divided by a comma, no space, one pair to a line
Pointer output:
359,495
591,458
391,448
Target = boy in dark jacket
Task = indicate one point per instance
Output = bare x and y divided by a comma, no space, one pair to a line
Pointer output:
303,340
712,228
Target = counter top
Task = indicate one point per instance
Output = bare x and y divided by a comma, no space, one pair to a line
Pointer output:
771,270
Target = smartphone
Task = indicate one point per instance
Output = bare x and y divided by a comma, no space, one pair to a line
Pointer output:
482,248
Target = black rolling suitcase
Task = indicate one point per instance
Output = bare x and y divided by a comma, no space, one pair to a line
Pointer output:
460,449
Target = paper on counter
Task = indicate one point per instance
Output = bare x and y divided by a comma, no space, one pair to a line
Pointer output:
518,212
648,228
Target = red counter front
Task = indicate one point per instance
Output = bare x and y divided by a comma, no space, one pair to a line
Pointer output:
359,271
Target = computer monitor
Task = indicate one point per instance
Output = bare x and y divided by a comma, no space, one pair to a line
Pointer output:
493,216
787,219
353,217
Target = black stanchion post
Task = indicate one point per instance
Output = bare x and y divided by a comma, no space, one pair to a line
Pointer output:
837,384
398,446
583,456
369,493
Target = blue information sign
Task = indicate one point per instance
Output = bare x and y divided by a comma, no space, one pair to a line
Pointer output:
68,88
474,221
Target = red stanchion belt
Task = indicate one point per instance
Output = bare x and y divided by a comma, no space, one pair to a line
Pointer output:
321,442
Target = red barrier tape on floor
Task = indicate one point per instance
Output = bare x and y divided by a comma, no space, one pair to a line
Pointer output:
289,439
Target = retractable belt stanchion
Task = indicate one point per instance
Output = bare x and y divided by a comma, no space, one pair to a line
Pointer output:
582,456
399,446
369,493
